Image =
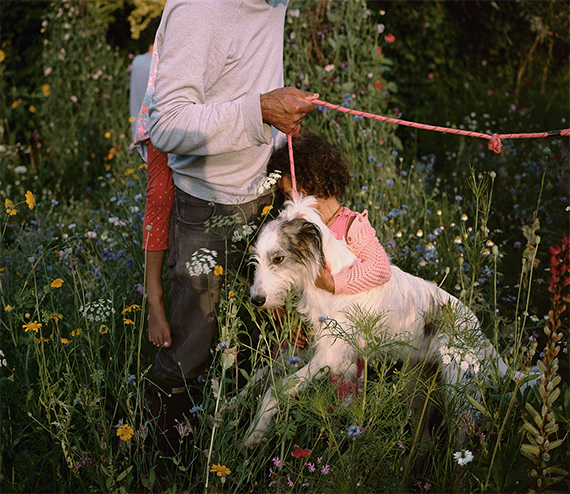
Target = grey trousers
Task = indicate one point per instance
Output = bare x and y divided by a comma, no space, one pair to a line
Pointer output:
194,296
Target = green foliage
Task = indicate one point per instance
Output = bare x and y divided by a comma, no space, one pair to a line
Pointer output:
75,359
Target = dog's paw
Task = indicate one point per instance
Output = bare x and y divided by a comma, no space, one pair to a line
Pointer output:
254,438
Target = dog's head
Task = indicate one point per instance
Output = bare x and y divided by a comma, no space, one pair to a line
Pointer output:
288,254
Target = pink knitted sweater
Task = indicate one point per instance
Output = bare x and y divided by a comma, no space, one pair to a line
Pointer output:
372,267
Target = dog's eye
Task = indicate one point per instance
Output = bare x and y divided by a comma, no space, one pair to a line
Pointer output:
278,259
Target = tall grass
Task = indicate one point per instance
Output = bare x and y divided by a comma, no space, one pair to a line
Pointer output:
76,362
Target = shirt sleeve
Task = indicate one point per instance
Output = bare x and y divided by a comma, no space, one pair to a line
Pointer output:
194,50
372,266
159,201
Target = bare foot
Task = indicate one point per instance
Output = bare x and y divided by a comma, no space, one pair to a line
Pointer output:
158,328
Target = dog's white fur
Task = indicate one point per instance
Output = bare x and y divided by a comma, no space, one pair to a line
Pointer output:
288,256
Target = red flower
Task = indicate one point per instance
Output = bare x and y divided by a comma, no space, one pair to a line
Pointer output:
300,453
390,38
378,86
378,50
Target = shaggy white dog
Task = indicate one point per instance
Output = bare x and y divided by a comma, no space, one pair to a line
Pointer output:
288,255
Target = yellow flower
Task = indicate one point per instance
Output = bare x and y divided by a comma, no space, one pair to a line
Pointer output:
33,326
46,90
57,283
103,329
8,308
17,102
266,210
32,109
41,339
65,341
107,135
231,294
144,166
9,205
30,200
218,270
129,321
56,317
132,119
131,308
125,432
220,470
76,332
2,56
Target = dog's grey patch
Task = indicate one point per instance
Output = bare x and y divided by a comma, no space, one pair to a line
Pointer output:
303,240
432,323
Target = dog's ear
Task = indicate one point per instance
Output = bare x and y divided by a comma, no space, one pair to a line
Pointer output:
306,240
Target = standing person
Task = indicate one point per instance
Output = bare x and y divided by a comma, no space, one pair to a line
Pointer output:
217,93
140,70
322,171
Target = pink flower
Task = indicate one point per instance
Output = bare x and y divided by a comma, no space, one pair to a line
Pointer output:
329,67
311,467
325,470
73,98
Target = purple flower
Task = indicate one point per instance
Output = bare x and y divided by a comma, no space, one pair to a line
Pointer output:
276,461
311,467
325,470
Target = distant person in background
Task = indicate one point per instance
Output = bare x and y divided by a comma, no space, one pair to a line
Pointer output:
140,69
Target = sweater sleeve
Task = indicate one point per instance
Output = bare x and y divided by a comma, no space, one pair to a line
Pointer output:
372,266
194,51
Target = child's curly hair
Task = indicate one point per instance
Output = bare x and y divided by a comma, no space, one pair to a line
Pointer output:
321,170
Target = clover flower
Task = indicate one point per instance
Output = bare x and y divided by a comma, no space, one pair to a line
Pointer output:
463,457
267,183
244,232
202,262
99,310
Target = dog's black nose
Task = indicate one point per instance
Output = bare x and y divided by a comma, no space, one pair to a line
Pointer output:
258,300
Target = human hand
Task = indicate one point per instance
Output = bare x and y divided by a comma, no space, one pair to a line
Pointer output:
325,280
285,107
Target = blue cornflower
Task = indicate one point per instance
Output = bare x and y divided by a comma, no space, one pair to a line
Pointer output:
372,159
389,182
322,319
131,378
458,198
195,410
293,360
353,431
358,118
222,345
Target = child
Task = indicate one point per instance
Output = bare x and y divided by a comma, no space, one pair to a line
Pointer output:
322,171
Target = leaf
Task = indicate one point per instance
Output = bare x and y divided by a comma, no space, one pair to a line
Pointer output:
478,406
124,473
215,388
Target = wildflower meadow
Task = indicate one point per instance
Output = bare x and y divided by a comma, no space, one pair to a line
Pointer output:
492,229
